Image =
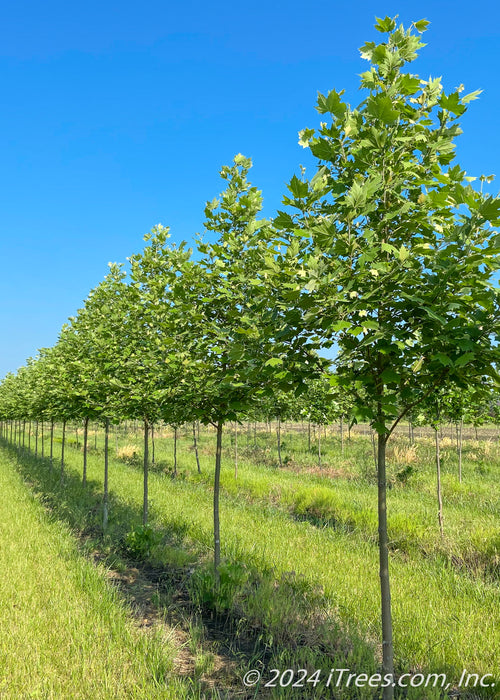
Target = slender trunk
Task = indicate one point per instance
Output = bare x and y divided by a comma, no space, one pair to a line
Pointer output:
218,454
36,438
342,435
175,451
319,446
62,448
438,474
42,441
51,444
460,450
196,448
278,433
85,441
146,473
105,495
475,428
385,591
236,449
29,437
255,434
24,433
309,436
76,435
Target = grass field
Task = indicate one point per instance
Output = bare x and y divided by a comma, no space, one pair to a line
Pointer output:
300,565
65,633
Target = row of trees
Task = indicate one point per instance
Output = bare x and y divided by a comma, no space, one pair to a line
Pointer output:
388,252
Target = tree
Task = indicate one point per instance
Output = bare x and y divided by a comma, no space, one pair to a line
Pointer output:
397,251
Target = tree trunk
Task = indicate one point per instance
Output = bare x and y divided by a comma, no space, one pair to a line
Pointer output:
29,437
218,455
236,449
278,433
438,474
105,495
460,450
319,446
175,451
309,436
342,435
196,448
385,591
85,440
42,441
146,473
36,438
62,448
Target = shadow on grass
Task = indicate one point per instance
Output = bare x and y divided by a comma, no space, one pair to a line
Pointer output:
262,619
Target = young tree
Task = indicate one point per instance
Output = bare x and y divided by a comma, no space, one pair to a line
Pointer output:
397,251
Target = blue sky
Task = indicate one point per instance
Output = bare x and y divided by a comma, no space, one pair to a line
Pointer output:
118,116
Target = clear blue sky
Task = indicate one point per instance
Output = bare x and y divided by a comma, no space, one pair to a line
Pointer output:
118,115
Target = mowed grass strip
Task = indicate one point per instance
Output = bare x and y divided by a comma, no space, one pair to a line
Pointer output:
442,620
471,508
64,633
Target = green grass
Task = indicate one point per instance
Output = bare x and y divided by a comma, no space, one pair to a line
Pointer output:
446,617
65,633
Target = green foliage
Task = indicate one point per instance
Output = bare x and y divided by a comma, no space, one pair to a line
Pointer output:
141,541
232,577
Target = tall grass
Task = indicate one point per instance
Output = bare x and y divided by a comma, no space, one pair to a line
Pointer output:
65,633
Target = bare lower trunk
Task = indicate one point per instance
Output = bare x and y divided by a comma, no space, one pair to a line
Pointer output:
218,455
319,446
43,455
105,495
36,438
460,451
309,436
438,474
85,441
196,449
146,473
236,449
385,591
342,435
278,434
175,451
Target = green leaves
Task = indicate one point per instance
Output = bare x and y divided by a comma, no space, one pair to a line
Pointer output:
381,108
421,25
